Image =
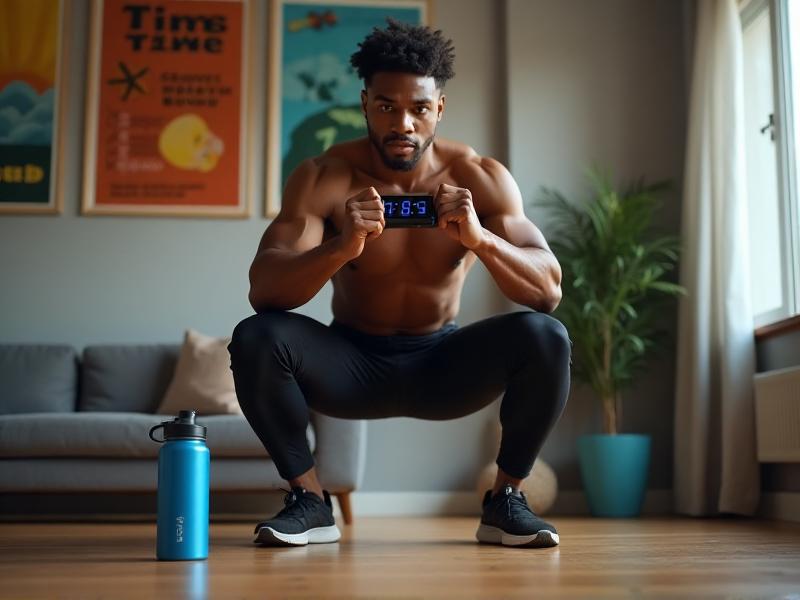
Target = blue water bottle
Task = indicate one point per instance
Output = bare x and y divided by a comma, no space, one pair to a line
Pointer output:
183,473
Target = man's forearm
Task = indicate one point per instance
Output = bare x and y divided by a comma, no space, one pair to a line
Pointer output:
285,279
527,276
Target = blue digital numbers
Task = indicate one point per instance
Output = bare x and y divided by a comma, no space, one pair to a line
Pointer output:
407,207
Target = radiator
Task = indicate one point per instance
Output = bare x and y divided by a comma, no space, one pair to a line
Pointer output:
778,415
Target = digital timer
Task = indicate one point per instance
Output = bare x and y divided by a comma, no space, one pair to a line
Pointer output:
409,210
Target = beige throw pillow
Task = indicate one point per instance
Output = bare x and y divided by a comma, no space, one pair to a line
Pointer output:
203,380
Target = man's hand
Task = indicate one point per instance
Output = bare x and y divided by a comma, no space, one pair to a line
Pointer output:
457,215
363,221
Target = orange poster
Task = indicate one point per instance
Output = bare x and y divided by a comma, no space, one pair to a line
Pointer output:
165,109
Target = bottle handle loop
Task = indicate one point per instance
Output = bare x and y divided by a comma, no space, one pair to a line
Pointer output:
152,429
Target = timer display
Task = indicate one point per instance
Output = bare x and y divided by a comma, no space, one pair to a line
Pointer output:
410,210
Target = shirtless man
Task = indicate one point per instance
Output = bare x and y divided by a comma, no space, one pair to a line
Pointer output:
393,348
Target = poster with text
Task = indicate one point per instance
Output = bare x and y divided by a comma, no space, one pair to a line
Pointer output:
31,103
166,109
315,95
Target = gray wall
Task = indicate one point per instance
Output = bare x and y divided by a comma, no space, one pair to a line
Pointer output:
584,81
600,83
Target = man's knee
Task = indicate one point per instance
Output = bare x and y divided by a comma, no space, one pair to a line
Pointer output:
546,362
257,330
546,336
259,342
256,350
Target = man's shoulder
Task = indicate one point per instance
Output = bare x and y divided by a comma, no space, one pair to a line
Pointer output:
344,156
333,168
452,152
490,182
469,168
316,183
329,165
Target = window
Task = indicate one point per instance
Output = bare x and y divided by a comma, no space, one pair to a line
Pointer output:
771,62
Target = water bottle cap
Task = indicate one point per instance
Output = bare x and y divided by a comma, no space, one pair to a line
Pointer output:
181,427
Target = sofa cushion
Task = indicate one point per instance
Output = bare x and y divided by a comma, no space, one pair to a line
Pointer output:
115,435
55,482
126,378
203,380
37,378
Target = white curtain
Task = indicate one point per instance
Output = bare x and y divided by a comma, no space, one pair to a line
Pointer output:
715,453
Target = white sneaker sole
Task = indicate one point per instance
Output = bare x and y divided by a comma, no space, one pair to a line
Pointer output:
494,535
317,535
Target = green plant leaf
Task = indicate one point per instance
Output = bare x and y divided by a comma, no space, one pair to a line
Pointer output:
614,276
629,310
669,288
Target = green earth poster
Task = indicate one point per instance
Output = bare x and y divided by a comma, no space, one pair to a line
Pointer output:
315,93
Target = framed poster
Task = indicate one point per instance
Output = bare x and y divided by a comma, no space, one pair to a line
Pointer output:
167,109
314,94
33,56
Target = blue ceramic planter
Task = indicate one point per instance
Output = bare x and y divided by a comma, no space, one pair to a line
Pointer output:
614,471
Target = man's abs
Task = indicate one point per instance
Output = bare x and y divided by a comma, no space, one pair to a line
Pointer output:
393,308
395,291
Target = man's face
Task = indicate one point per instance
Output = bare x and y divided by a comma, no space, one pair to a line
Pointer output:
402,111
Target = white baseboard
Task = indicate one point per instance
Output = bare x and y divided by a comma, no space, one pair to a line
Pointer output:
382,504
783,506
574,502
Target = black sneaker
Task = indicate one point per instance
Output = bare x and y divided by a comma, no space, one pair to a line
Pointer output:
305,519
508,520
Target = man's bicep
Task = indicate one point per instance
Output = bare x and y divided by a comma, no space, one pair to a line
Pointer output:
298,226
516,229
298,233
502,210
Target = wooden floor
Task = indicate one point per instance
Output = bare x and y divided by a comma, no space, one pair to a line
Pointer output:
412,558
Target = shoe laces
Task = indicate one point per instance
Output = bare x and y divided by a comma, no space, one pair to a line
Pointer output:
515,505
292,505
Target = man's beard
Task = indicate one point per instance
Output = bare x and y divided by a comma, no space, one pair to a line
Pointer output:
398,164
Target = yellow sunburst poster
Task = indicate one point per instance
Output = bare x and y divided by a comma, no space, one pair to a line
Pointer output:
30,42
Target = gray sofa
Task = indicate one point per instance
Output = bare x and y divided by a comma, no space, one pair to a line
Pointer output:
71,423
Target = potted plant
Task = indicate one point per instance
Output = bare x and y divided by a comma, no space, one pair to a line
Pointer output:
614,289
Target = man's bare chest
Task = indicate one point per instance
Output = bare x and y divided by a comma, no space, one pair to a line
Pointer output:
416,254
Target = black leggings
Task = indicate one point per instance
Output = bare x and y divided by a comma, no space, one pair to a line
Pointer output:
284,363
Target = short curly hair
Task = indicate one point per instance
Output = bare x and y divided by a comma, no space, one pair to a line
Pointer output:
405,48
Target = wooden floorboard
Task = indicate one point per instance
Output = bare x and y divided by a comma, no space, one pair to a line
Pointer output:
412,558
